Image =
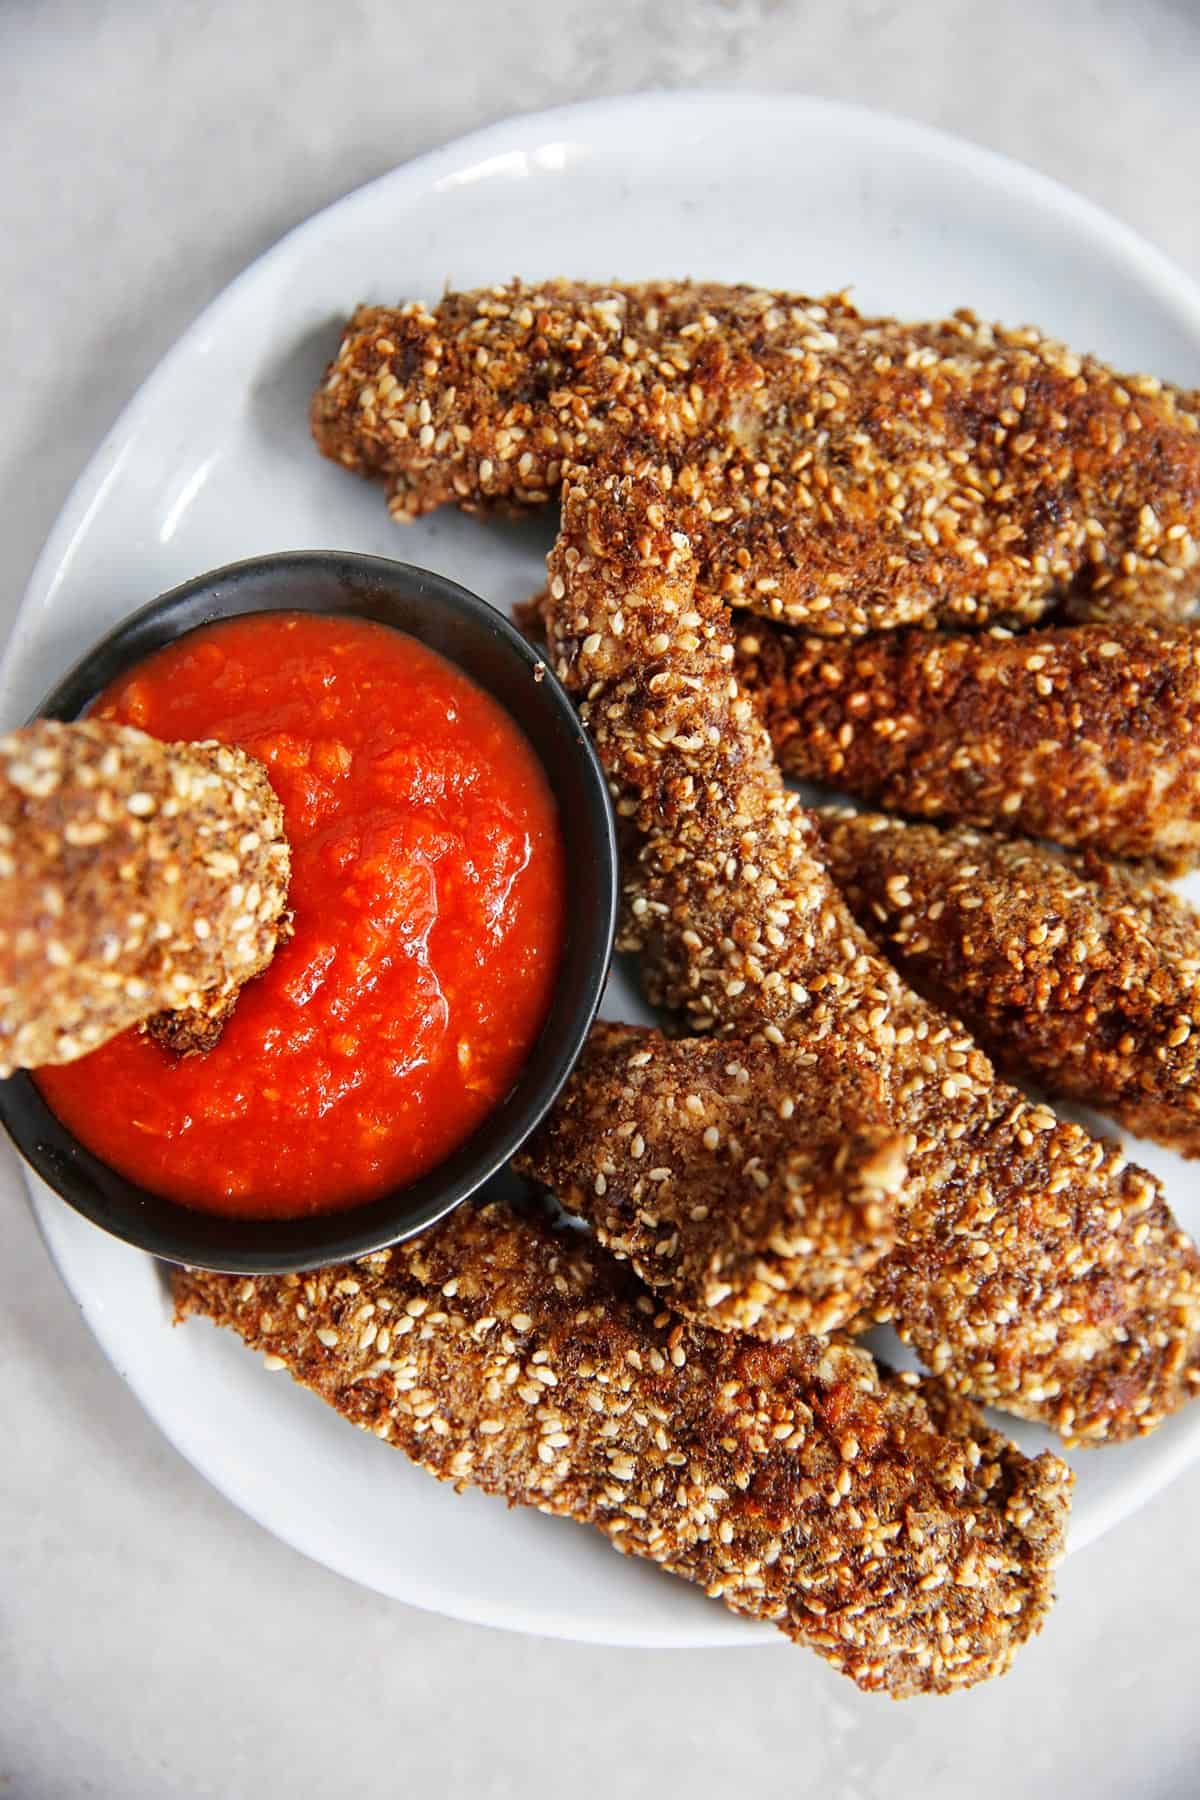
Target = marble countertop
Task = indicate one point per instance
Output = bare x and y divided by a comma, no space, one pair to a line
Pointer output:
153,1641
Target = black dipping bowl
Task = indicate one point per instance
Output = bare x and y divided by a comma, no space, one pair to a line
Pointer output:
480,641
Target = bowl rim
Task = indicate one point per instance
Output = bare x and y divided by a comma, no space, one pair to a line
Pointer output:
168,1229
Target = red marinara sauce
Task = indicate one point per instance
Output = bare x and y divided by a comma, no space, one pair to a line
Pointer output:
428,892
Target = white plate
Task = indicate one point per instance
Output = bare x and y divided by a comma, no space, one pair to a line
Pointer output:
212,461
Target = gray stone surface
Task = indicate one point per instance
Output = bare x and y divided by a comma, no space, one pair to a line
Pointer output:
152,1640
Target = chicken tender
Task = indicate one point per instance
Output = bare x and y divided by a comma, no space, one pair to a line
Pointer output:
1034,1268
1087,735
136,878
752,1191
877,1520
1083,975
848,474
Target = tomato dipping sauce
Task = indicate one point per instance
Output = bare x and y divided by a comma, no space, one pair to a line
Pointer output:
428,890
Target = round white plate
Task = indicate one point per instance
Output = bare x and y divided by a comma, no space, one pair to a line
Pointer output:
212,461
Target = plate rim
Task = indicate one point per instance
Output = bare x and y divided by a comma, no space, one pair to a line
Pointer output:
523,133
87,490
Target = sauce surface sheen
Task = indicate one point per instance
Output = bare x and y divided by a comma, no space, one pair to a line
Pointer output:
428,896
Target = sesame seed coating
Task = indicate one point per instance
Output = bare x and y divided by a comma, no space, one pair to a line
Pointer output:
1033,1267
848,474
878,1521
1088,735
750,1190
1084,975
126,871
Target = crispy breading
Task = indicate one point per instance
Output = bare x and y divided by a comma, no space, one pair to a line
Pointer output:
850,474
877,1521
752,1191
134,876
195,1030
1081,974
1034,1267
1088,735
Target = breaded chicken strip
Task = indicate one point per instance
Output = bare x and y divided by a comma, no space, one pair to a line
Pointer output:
136,878
1088,735
1033,1268
848,474
1083,975
753,1191
877,1520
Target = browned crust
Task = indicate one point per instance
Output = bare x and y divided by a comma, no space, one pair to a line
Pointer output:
1087,735
194,1030
752,1191
879,1522
134,877
1083,975
1034,1267
850,474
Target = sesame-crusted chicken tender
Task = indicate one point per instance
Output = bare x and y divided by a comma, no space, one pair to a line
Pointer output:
1087,735
1082,975
725,894
1033,1267
753,1190
875,1520
849,474
136,878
